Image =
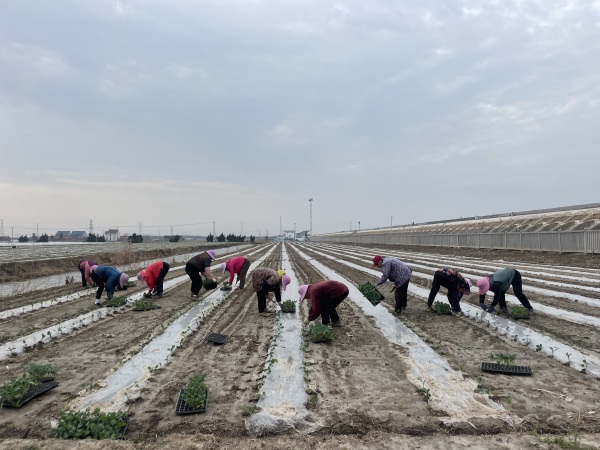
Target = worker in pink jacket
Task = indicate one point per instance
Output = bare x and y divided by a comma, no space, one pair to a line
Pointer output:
154,276
84,267
239,266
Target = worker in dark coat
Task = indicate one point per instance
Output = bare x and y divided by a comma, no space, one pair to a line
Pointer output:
456,285
396,271
325,297
265,280
110,278
197,266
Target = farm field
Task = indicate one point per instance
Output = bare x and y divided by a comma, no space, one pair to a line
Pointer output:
412,381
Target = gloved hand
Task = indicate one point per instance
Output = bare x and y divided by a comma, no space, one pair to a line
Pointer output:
214,280
147,294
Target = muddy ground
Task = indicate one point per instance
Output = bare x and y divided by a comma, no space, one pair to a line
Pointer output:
357,387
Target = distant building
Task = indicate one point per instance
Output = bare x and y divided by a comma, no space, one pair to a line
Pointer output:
78,235
112,235
62,235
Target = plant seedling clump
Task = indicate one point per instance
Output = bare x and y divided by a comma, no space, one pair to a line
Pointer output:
519,311
371,293
504,360
288,306
95,425
320,333
194,393
143,305
117,301
209,284
16,389
226,286
441,308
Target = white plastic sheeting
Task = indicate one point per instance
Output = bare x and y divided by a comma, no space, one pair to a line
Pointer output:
450,392
127,382
283,396
504,327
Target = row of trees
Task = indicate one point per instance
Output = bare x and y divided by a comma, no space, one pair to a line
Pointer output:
229,238
34,238
95,238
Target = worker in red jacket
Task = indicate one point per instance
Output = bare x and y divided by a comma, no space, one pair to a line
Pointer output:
324,297
239,266
154,276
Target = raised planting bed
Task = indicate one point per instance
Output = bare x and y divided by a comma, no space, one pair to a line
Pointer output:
371,293
442,308
144,305
94,425
35,381
519,312
193,398
216,338
209,284
116,301
226,286
320,333
288,306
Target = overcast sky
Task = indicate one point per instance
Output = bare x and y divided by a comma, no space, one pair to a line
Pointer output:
183,112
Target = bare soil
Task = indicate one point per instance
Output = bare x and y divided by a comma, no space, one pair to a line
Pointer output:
356,386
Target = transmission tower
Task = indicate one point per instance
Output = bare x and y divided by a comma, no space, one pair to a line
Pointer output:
91,226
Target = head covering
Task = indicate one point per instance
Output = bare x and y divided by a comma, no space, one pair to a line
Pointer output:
93,268
302,291
222,266
281,273
140,275
285,280
376,260
469,284
123,279
211,253
483,284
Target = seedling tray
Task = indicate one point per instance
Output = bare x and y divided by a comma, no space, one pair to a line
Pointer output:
217,338
443,313
181,408
147,309
520,317
34,391
506,370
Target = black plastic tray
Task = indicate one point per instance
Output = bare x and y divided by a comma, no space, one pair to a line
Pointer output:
34,391
519,317
181,408
506,370
210,285
217,338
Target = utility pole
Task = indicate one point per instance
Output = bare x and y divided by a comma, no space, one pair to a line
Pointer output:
242,233
214,237
91,226
1,227
140,233
359,225
294,230
391,217
310,201
280,227
37,229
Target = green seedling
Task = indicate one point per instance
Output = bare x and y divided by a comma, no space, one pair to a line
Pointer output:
288,306
143,305
553,349
320,333
117,301
94,425
195,392
584,365
371,293
503,359
12,392
538,347
441,308
226,286
248,410
519,311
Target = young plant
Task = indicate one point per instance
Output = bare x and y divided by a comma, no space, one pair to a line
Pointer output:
584,365
503,359
226,286
519,311
288,306
538,347
320,333
441,308
117,301
195,392
143,305
38,372
13,392
371,293
95,425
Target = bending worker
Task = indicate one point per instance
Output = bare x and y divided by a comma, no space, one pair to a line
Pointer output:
197,266
265,280
324,297
398,273
109,277
154,276
239,266
498,283
454,282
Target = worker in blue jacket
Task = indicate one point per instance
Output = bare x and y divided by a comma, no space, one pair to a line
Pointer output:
110,278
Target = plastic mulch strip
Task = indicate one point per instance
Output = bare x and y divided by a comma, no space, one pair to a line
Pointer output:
34,391
181,408
506,370
146,309
217,338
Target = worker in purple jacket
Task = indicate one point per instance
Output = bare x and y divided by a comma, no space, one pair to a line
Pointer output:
398,273
84,267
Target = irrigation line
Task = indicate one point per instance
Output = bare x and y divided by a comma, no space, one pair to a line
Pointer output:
283,393
450,392
512,331
129,379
